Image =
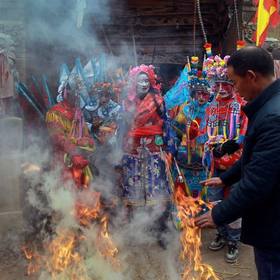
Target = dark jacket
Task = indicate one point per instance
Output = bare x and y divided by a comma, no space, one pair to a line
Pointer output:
255,178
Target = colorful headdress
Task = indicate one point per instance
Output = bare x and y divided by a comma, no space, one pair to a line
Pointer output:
197,78
132,77
216,68
102,88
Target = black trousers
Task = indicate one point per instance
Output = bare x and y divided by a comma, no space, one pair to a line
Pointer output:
268,263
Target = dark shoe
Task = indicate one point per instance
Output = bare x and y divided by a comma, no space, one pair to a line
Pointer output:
217,244
232,252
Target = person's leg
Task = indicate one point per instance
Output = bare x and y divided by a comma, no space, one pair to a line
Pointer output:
220,240
268,264
216,194
233,238
160,227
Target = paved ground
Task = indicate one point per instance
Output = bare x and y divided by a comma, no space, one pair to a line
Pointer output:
244,269
146,263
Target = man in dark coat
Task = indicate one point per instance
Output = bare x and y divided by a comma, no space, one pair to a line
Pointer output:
255,178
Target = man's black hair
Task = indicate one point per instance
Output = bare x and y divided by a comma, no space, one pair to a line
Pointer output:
252,58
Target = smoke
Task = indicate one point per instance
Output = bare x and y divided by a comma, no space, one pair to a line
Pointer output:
49,208
55,23
58,31
134,234
49,204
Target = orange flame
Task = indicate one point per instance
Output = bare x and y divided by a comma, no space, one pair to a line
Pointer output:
62,253
33,260
105,244
188,208
60,259
61,256
85,213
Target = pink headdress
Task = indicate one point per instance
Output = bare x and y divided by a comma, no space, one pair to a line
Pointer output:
133,74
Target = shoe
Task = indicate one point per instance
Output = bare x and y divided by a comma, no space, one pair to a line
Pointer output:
217,244
232,252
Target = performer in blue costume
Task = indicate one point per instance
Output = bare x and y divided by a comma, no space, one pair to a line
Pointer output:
190,124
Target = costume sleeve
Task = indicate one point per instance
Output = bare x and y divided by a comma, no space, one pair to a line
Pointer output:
229,160
259,176
56,127
207,115
225,162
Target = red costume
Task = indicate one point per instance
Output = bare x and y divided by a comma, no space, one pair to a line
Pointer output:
226,121
70,137
147,123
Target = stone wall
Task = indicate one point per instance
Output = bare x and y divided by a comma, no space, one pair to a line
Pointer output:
12,17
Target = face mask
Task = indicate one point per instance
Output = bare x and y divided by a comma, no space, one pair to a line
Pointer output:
223,89
143,84
202,97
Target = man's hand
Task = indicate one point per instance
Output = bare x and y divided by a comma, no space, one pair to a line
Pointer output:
213,182
205,220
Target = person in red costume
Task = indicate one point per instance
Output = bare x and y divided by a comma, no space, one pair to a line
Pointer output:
71,140
145,182
144,175
226,128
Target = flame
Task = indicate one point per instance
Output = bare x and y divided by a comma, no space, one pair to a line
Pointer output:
64,258
105,244
188,208
61,256
86,213
60,259
33,260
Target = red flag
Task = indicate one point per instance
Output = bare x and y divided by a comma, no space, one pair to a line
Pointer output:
267,15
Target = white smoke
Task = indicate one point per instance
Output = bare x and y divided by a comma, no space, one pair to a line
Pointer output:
54,24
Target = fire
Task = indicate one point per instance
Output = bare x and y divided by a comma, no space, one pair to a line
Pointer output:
88,212
86,216
33,260
61,256
105,244
60,259
64,257
188,208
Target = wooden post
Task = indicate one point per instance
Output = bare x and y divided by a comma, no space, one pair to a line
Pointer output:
134,47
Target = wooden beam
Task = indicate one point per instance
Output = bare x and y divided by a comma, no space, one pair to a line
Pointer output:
159,32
